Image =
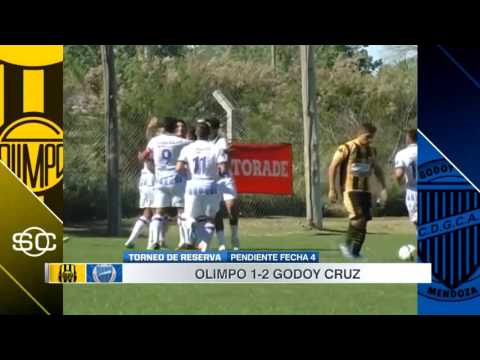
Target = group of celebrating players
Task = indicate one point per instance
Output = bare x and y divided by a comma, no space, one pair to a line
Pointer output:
185,174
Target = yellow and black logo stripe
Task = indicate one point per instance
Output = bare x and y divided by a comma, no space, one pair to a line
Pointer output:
31,126
66,273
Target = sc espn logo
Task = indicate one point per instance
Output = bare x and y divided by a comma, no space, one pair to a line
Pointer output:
104,273
32,148
34,242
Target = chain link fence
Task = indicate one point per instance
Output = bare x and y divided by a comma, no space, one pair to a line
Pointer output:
85,181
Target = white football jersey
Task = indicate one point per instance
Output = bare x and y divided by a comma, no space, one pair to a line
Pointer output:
221,144
202,158
407,159
165,150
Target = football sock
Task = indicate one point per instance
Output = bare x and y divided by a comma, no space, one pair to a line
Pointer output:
164,229
181,230
235,239
209,231
219,221
221,237
188,235
358,241
157,231
205,231
153,233
350,235
137,229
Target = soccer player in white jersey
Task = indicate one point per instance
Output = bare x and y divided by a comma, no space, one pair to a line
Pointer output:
182,132
205,162
182,129
145,188
169,185
229,194
406,170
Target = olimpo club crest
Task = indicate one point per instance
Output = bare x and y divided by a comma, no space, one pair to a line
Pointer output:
31,134
448,232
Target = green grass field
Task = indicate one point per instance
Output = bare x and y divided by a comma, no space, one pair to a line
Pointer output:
385,237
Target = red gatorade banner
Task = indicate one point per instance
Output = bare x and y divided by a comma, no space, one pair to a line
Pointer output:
262,169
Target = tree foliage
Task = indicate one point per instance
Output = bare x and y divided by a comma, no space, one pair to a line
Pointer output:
179,81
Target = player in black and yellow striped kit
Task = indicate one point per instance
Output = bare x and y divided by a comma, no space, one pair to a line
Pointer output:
355,161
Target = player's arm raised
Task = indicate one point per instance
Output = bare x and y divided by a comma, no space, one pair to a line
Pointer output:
147,154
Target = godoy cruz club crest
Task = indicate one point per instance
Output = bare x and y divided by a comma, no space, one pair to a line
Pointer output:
448,229
31,134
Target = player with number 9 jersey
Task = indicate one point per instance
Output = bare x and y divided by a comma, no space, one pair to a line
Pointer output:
169,186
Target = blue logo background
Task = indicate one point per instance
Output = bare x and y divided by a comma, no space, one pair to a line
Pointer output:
104,273
461,298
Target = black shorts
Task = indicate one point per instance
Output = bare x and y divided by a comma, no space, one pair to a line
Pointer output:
358,204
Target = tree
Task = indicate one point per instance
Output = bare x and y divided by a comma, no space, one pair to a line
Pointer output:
112,141
395,53
269,105
80,58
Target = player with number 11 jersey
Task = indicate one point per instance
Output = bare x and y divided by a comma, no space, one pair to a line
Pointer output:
204,160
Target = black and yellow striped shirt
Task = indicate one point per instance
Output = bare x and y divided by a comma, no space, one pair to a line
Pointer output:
356,165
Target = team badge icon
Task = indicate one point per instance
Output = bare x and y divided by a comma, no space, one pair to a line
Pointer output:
448,229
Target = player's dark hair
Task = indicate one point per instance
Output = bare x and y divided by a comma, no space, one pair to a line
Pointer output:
367,128
214,123
169,124
191,134
202,131
181,121
412,135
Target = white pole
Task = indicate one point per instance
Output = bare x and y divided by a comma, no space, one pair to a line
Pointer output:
229,108
311,128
